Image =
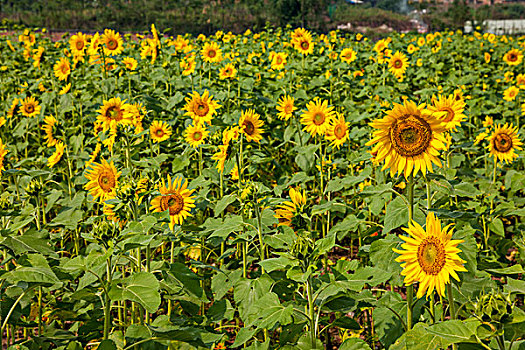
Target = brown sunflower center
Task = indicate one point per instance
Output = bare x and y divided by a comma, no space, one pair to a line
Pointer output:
249,128
431,255
502,143
114,113
159,132
278,60
288,108
339,132
212,53
106,181
513,57
305,45
112,44
30,108
197,136
201,109
79,45
64,69
174,202
410,136
319,118
450,114
398,64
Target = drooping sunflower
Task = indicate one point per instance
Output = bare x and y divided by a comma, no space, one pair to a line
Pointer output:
504,142
251,125
513,57
195,134
3,152
113,112
130,63
338,131
57,155
176,198
49,127
65,89
285,107
78,44
279,60
286,211
221,156
113,43
62,69
103,180
211,52
430,256
398,64
201,108
227,72
159,131
304,44
12,109
317,117
448,110
30,107
348,55
408,138
511,93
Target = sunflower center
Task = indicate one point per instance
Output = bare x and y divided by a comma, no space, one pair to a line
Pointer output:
173,202
79,45
159,132
398,64
212,53
410,136
64,69
106,181
288,108
114,113
319,118
278,60
112,44
305,45
249,128
431,255
450,114
201,109
197,136
513,57
30,108
339,132
502,143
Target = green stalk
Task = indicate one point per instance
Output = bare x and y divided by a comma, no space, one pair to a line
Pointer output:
309,292
410,288
107,306
259,231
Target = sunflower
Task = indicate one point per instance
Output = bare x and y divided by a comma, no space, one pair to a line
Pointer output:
49,127
113,112
304,44
411,48
2,121
285,212
338,131
30,107
188,66
201,108
279,60
285,107
317,117
211,52
251,125
55,157
62,69
227,72
430,256
65,89
503,142
176,198
103,180
513,57
487,57
159,131
130,63
220,157
408,139
195,134
448,110
3,152
12,110
78,43
510,93
398,64
348,55
113,43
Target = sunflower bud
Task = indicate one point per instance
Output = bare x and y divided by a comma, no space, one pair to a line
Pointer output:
303,246
125,191
33,188
494,307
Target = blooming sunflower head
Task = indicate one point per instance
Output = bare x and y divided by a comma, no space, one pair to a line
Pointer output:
304,44
201,108
49,127
448,110
279,60
430,256
211,52
510,93
504,142
78,44
130,63
317,117
103,180
408,139
398,64
57,155
513,57
30,107
114,112
338,131
3,152
286,211
227,72
250,125
176,198
113,42
195,134
285,107
62,69
159,131
348,55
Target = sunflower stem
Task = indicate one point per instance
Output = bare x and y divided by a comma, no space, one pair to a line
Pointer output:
451,305
410,288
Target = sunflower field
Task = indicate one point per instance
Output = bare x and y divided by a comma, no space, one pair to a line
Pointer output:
271,190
